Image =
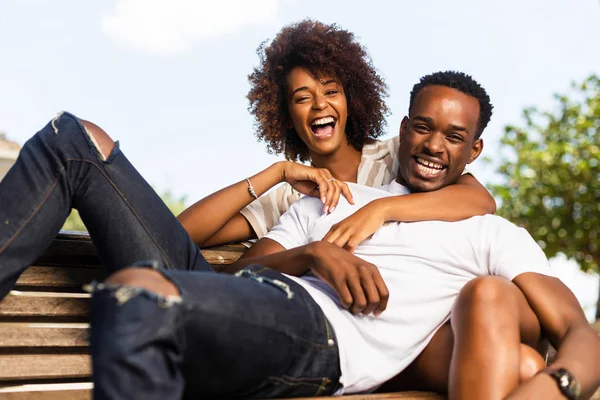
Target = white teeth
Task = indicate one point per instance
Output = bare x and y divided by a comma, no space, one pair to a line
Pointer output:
430,164
427,170
323,121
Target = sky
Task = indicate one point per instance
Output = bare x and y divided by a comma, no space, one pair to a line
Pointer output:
168,78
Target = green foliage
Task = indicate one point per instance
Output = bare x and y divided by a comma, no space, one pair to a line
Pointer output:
552,172
175,204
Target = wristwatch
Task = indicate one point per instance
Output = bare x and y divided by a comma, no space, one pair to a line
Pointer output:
566,382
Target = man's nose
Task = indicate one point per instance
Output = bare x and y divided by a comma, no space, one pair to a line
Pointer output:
435,143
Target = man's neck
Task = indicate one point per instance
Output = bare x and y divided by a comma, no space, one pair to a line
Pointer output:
343,164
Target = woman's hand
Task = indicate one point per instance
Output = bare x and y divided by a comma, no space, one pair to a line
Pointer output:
316,182
351,231
358,283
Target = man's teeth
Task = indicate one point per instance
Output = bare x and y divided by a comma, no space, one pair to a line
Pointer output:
324,121
428,166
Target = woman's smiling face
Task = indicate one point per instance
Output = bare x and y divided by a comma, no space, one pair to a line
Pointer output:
318,110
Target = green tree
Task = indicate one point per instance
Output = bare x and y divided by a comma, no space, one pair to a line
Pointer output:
551,168
175,204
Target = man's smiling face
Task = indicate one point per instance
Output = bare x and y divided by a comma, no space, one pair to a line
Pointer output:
437,139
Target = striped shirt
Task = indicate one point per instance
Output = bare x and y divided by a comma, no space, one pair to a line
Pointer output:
378,166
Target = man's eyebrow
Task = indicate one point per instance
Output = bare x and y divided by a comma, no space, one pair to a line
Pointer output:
458,128
428,120
299,89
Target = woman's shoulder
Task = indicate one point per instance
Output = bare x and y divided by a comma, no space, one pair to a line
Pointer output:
377,148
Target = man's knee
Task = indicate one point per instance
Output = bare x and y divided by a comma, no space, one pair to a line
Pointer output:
486,291
145,278
530,363
100,138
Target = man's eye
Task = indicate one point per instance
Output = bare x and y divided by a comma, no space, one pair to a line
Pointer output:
456,138
421,128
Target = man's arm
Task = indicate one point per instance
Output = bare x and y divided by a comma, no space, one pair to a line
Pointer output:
565,325
359,284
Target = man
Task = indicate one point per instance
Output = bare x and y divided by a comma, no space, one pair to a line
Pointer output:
342,323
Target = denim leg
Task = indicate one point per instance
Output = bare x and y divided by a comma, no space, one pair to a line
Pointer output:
59,168
258,335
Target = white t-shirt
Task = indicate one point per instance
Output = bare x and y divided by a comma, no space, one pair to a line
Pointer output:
424,265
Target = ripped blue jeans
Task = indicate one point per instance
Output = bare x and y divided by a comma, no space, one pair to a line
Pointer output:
225,336
254,335
60,168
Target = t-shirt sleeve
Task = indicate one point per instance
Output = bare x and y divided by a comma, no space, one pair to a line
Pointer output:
293,228
513,251
264,213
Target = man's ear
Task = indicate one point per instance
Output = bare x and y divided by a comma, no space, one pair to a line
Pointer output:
403,127
475,150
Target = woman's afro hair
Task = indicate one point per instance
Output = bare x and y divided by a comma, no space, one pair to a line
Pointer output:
325,50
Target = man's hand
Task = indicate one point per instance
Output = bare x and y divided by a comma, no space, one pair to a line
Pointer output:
359,284
315,182
351,231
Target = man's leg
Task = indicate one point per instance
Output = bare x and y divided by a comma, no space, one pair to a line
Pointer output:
431,369
75,164
487,321
192,334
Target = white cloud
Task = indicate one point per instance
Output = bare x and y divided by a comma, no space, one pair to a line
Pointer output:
172,26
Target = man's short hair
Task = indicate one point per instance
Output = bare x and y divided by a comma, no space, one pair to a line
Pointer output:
461,82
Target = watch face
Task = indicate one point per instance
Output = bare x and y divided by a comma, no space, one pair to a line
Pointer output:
567,383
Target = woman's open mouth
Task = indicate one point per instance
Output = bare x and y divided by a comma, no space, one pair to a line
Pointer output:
323,127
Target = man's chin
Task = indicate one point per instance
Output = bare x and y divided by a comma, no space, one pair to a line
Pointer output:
418,185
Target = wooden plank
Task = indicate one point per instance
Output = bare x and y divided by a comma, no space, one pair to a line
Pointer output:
73,392
16,367
58,278
387,396
44,304
76,249
50,391
57,336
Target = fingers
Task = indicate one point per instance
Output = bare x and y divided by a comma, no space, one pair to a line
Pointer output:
345,237
384,294
368,291
329,190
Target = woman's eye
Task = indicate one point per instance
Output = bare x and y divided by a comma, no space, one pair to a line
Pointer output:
332,92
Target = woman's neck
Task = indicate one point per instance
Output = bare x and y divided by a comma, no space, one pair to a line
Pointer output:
343,164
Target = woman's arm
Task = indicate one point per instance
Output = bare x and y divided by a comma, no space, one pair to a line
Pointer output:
456,202
464,199
216,219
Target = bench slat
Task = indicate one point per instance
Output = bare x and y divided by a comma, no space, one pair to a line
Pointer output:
50,391
44,305
44,366
58,278
76,249
57,336
386,396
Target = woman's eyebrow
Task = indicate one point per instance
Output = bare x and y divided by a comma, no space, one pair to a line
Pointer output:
299,89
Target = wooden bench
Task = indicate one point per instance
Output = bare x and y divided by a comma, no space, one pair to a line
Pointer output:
44,326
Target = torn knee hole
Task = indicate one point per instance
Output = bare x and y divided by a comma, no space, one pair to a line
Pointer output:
148,279
103,143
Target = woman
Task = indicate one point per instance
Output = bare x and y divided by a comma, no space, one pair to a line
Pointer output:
316,97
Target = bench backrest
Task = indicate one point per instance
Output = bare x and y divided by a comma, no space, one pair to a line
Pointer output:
43,321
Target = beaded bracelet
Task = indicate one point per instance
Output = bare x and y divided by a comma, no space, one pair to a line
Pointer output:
251,189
